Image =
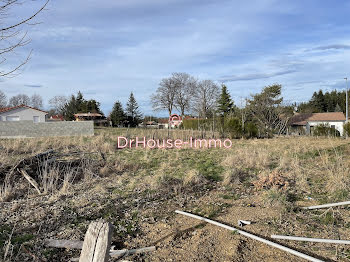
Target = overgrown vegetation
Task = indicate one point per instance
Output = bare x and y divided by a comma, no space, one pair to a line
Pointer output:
137,190
325,130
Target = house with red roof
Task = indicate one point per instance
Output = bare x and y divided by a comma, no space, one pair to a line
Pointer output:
22,113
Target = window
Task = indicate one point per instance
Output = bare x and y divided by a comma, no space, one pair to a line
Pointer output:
36,119
12,118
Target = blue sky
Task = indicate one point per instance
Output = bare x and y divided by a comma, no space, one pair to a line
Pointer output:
109,48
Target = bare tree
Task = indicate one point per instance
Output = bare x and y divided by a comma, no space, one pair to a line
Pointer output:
36,101
57,103
14,35
185,86
164,98
3,99
205,97
20,99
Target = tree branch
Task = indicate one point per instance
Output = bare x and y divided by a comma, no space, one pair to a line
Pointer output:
26,20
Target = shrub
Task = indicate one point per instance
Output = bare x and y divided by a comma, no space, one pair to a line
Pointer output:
250,130
347,129
325,130
196,124
234,127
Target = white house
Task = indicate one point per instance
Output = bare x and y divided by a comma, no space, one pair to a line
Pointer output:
22,113
305,123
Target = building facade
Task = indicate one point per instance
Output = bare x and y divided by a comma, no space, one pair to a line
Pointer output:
22,113
304,124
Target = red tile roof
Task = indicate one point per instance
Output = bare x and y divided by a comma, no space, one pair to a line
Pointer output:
332,116
57,117
6,109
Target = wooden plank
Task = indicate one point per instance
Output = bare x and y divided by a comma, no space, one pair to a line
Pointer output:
76,244
70,244
31,180
125,252
97,242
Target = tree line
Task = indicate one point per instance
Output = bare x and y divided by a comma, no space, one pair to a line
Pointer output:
21,99
214,109
320,102
205,99
187,94
206,105
68,106
131,116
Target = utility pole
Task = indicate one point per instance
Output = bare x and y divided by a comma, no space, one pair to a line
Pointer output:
213,122
242,112
347,106
347,101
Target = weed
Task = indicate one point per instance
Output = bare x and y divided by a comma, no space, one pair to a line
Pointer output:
232,196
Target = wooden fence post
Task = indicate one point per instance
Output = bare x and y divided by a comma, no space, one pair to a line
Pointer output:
97,242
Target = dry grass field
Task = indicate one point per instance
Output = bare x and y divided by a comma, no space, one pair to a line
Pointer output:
138,190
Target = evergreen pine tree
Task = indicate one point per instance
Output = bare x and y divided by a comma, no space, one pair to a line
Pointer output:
117,114
337,108
225,104
70,109
132,111
80,103
92,106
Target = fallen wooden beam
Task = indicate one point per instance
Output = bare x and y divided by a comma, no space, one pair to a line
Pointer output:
328,205
31,180
268,242
125,252
76,244
318,240
97,242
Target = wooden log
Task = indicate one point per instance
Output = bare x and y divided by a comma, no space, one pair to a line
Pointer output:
97,242
125,252
70,244
31,180
76,244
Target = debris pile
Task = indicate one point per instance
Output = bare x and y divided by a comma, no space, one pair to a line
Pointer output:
47,171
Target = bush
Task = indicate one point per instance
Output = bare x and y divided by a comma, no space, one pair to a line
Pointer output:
250,130
325,130
203,124
347,129
234,127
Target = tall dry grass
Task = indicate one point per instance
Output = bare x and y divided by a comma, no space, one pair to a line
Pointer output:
298,159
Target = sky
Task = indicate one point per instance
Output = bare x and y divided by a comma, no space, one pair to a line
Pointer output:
109,48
